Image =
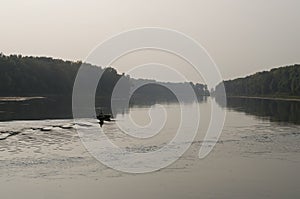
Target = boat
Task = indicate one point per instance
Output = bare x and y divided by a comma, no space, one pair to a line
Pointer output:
104,117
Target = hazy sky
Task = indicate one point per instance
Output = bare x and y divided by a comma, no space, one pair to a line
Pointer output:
242,36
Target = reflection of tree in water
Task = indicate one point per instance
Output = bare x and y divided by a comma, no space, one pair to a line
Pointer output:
55,107
274,110
151,94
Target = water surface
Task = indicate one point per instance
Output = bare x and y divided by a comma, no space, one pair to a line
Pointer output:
257,156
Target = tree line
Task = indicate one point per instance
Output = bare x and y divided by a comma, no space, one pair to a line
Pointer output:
278,82
46,76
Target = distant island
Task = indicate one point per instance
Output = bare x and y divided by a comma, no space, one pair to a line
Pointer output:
280,83
28,76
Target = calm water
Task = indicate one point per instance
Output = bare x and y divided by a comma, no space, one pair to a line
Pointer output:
257,156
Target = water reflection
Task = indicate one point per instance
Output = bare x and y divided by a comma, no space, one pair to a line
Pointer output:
47,108
55,107
273,110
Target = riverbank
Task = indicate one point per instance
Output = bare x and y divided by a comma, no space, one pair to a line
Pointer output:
18,99
268,98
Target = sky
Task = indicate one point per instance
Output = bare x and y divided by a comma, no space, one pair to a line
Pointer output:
241,36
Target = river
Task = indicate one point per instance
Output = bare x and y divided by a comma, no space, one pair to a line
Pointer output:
257,155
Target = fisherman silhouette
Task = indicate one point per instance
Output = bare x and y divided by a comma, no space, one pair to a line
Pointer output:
103,117
101,123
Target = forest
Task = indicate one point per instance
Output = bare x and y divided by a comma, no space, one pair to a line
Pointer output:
278,82
46,76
